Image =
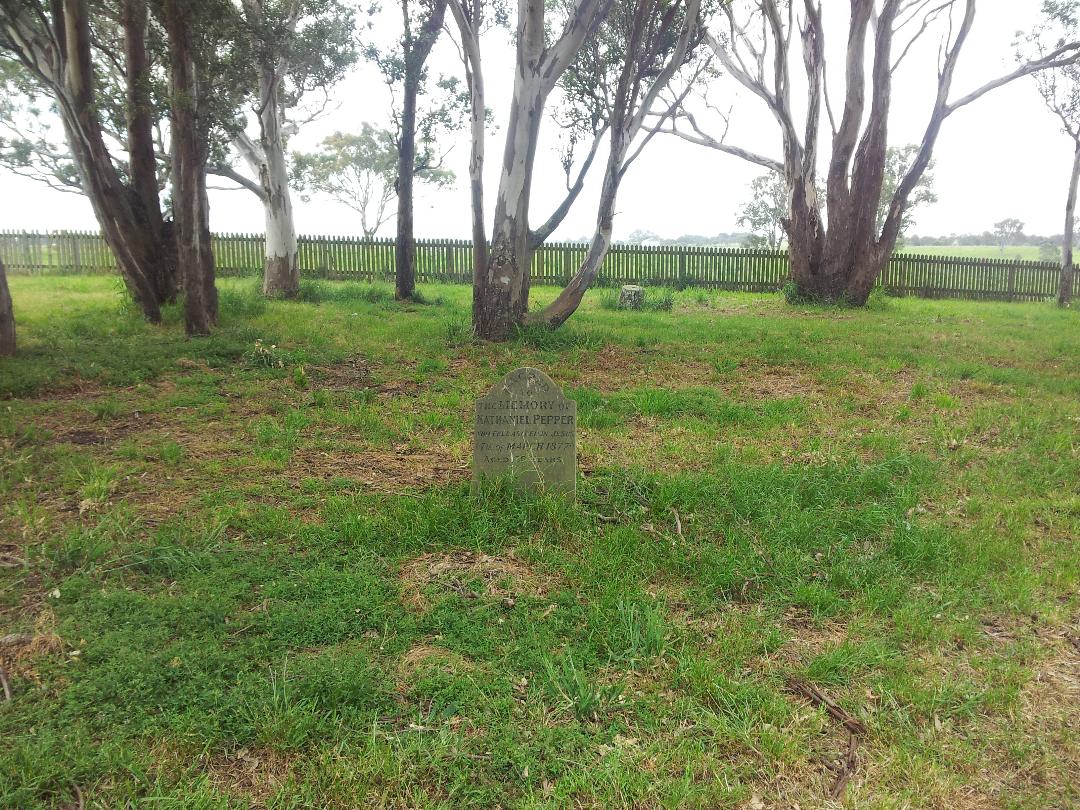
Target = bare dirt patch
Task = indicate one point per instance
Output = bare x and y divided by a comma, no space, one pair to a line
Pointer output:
502,576
354,373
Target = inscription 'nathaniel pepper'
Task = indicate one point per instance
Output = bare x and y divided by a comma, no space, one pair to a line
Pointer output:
526,428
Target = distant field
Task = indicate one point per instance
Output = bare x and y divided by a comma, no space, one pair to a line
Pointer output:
1028,252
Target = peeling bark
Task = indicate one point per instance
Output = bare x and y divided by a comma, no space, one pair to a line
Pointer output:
1065,287
7,316
190,152
501,286
281,274
267,161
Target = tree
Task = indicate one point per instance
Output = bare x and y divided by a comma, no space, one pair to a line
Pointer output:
404,69
204,43
836,250
7,316
1007,231
360,171
1060,91
297,47
473,18
501,283
52,43
764,214
898,160
636,54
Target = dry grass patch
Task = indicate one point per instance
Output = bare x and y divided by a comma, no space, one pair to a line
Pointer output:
502,577
775,382
255,775
424,658
382,471
19,652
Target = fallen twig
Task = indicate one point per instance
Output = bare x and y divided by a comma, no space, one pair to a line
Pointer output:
845,771
835,711
678,524
4,683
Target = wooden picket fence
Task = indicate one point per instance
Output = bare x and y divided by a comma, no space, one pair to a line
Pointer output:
450,261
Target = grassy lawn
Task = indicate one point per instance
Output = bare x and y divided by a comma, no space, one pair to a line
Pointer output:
252,574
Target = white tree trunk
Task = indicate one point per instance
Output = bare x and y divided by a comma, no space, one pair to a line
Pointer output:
281,275
1065,289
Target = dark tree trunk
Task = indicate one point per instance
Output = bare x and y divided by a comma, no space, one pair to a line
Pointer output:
415,52
125,225
190,150
7,316
1065,287
142,166
405,243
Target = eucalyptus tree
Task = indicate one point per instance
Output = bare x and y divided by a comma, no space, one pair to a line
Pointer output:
206,50
72,53
617,78
474,18
1060,91
837,250
404,68
296,51
361,170
501,280
765,211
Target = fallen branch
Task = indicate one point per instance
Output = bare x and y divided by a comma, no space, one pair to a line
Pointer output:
15,639
4,683
835,711
846,770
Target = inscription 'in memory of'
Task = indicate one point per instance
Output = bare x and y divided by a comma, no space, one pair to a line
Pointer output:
526,428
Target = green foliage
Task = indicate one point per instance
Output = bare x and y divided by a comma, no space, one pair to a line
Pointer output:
898,159
359,170
764,214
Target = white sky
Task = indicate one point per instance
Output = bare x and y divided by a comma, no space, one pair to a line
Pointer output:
1003,156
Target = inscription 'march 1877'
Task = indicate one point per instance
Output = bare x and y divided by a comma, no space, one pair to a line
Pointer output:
527,429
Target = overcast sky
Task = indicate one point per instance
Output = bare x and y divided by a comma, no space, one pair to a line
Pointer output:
1004,156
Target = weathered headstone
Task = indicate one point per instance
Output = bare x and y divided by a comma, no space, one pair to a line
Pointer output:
526,428
631,296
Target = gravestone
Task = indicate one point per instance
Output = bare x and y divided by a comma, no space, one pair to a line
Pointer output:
631,296
527,429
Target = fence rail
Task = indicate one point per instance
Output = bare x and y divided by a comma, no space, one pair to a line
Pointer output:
450,260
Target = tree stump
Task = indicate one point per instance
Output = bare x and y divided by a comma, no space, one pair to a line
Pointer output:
631,296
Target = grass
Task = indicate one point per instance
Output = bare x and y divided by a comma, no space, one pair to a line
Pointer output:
248,571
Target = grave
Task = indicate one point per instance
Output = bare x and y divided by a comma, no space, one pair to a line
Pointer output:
527,429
